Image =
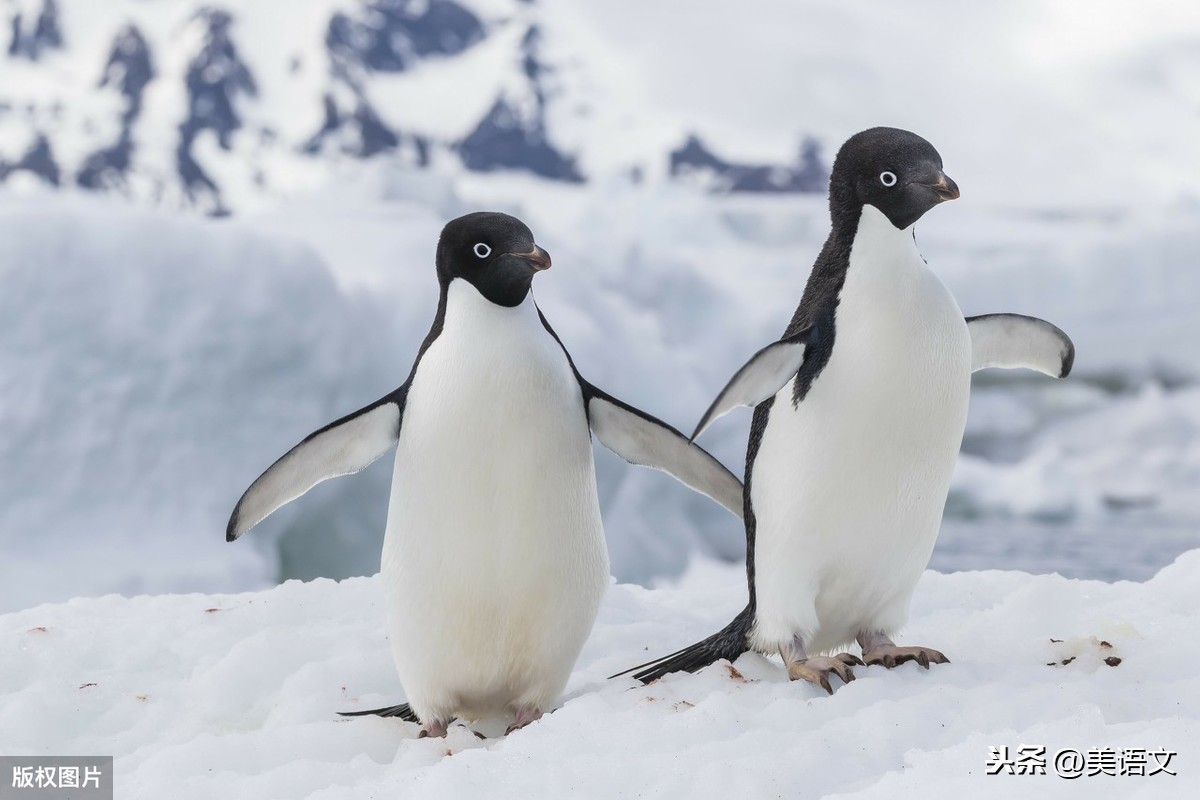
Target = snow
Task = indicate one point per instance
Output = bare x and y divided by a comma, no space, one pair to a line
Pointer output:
143,365
235,695
1139,451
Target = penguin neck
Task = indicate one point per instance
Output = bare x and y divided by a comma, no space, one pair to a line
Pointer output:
866,231
463,299
879,243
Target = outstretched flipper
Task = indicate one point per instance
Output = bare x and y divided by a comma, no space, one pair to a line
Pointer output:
1010,341
759,378
642,439
647,441
340,448
403,711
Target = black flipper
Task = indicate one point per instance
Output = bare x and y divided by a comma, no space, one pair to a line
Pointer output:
348,445
403,711
647,441
728,643
762,376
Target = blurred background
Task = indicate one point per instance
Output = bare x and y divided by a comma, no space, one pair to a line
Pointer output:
218,219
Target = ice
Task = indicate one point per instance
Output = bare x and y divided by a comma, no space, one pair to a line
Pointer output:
150,366
235,695
1135,452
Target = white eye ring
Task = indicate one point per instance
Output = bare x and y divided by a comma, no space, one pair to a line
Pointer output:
887,178
482,250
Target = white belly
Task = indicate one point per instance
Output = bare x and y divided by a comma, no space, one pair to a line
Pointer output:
494,559
848,488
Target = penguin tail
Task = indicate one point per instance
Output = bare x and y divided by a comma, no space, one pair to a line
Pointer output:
403,711
728,643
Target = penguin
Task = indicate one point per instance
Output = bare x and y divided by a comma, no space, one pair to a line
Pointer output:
859,414
494,560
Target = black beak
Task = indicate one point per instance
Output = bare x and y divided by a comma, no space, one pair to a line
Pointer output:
538,258
946,189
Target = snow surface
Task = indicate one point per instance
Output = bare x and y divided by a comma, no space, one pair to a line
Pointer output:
234,696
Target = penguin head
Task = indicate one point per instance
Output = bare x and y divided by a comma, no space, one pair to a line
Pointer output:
493,252
895,171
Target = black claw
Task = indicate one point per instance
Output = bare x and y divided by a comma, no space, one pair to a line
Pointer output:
825,684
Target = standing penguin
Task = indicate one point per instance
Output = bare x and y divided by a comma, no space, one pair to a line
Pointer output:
494,561
860,411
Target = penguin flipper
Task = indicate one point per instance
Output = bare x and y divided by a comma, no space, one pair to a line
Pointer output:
1010,341
642,439
342,447
759,378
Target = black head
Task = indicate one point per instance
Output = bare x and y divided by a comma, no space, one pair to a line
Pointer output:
494,252
896,171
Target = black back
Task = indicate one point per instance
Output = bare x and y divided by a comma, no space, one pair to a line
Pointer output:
919,184
900,174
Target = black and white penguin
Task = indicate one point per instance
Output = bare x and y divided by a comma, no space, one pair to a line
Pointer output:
860,410
494,560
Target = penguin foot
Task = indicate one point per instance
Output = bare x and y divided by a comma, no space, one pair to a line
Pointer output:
817,669
892,656
879,649
525,715
434,729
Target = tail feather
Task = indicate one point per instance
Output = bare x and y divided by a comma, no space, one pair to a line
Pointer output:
403,711
728,643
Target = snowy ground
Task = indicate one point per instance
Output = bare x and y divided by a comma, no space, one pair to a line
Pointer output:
202,696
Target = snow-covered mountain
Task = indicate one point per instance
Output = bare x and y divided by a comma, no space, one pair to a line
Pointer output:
224,106
199,104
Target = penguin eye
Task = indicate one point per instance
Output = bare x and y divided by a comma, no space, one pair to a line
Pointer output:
482,250
887,178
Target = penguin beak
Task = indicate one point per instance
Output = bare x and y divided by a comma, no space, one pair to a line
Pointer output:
538,258
945,188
